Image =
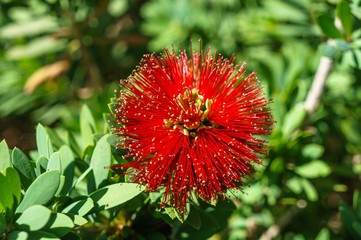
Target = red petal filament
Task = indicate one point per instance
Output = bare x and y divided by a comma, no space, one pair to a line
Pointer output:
190,124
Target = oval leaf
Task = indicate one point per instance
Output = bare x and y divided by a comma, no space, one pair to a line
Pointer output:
42,236
22,163
344,13
41,191
18,235
80,207
77,219
35,48
100,160
294,184
2,224
59,225
115,194
67,163
324,234
4,155
43,142
41,165
309,189
34,218
314,169
87,126
6,199
54,162
28,28
328,27
313,151
10,189
194,220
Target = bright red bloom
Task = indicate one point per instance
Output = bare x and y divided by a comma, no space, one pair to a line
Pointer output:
190,125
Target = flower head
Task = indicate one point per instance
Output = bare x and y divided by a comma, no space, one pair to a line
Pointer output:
190,124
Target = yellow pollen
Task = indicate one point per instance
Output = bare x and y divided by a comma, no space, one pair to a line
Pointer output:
193,113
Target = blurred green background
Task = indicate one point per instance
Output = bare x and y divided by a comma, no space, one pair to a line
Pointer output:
57,55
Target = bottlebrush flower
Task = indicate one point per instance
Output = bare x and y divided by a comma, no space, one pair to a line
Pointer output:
190,125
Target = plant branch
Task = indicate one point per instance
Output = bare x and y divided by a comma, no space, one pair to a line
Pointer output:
318,84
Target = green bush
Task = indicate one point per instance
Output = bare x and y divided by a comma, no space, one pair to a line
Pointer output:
66,53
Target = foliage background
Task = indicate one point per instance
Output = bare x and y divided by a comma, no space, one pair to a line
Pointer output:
57,56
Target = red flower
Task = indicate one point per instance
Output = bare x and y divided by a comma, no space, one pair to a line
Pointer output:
189,124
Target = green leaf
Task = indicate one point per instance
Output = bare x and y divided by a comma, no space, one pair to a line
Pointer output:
71,236
194,219
136,203
327,26
343,11
294,184
28,28
18,235
174,213
349,220
68,163
297,185
54,162
115,194
61,185
155,196
5,160
324,234
251,195
38,235
73,144
357,203
87,126
41,165
66,158
100,160
36,47
293,119
312,151
81,177
309,189
352,58
25,169
313,169
77,219
210,225
43,142
356,226
59,224
33,218
80,207
356,9
55,139
277,165
3,224
117,8
273,193
41,191
10,189
194,198
171,212
6,197
113,140
222,210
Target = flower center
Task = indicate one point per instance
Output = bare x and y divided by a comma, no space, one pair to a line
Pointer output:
193,114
